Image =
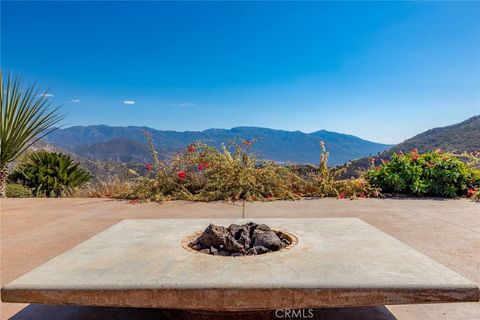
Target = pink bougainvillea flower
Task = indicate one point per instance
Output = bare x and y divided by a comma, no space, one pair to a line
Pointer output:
414,150
415,157
341,195
149,167
181,175
191,148
202,166
471,192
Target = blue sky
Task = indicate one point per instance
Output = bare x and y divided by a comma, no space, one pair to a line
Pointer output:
381,71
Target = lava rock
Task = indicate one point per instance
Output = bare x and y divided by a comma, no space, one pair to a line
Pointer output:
197,246
239,240
267,239
263,227
223,253
241,233
260,249
213,236
233,246
213,251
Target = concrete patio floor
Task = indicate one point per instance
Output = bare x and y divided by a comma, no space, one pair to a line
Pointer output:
36,230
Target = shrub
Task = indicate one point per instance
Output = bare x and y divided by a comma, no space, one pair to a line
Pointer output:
15,190
112,188
49,174
476,196
204,173
430,174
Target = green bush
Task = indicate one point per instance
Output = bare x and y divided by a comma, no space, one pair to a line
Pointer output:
15,190
49,174
430,174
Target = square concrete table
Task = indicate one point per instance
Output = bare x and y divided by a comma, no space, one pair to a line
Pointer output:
335,263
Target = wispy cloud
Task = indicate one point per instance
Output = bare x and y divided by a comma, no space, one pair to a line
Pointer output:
128,102
75,101
45,94
184,104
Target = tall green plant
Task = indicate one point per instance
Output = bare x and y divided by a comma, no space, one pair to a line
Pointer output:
49,174
25,117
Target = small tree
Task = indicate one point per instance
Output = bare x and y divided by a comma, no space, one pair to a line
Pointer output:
25,117
50,174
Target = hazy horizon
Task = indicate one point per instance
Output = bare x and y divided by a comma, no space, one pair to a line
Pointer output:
383,72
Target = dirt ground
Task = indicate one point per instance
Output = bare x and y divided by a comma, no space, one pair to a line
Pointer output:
36,230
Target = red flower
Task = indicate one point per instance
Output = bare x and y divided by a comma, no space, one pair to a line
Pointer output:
181,175
202,166
414,150
341,195
149,167
135,201
471,192
385,161
415,157
191,148
247,142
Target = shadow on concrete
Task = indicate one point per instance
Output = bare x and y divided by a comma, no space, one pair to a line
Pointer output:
61,312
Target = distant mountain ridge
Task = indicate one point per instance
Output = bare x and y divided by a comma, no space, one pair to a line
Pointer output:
125,144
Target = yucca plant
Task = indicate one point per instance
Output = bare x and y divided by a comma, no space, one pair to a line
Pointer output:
25,117
49,173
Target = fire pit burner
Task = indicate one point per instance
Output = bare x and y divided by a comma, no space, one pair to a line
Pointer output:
239,240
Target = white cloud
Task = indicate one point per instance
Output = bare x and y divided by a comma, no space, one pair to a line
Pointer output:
46,94
184,104
75,100
128,102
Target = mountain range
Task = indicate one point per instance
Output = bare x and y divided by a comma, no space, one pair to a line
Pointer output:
128,144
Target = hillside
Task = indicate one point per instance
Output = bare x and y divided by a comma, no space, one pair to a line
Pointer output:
115,150
463,136
124,144
460,137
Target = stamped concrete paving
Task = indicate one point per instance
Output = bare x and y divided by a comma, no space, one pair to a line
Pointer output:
36,230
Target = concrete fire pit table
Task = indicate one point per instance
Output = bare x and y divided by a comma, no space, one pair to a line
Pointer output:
331,263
